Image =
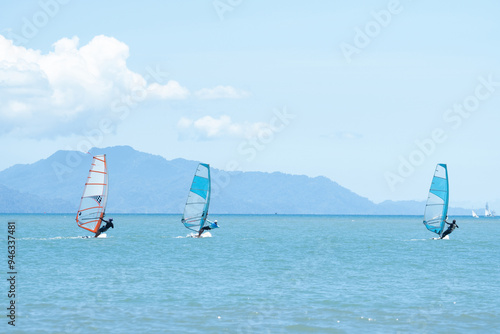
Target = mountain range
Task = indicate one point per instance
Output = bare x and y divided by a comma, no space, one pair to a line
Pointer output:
145,183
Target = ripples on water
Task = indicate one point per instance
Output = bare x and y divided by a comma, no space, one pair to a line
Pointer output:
257,274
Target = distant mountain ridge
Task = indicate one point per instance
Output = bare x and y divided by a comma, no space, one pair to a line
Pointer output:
13,201
146,183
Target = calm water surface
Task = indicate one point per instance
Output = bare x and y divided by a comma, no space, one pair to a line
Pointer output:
257,274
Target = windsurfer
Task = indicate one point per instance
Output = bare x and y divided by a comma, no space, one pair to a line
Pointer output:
450,228
105,227
206,228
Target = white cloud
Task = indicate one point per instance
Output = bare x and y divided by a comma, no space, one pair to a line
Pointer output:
208,127
221,92
43,94
172,90
184,123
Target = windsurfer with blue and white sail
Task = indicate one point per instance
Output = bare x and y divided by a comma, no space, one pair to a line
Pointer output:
208,227
436,208
450,228
198,202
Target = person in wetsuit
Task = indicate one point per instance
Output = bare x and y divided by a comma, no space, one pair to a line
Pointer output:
206,228
105,227
450,228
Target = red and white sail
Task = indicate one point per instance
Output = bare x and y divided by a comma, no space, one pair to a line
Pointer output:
95,196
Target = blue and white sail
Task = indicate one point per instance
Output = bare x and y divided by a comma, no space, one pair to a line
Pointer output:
198,201
436,209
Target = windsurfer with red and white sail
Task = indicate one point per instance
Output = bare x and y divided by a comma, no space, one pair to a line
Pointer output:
105,227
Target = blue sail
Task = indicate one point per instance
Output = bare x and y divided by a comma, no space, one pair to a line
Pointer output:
198,201
436,209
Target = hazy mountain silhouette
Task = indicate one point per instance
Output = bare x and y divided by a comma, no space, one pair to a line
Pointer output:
145,183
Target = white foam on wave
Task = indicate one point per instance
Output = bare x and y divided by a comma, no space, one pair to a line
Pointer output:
53,238
102,236
445,238
195,235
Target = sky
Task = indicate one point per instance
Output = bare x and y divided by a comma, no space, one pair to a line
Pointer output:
371,94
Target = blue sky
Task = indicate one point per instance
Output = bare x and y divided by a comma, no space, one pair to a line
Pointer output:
371,95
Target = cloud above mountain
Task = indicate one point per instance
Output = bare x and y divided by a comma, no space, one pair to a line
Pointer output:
44,92
45,95
209,127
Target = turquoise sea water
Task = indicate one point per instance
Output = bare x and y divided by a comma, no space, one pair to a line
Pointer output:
257,274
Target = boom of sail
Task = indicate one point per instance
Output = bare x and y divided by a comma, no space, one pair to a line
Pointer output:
95,196
198,201
436,209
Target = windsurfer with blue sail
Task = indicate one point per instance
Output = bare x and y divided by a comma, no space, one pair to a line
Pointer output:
450,228
436,208
198,201
208,227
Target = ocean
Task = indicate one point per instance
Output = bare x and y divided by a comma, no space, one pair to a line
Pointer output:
256,274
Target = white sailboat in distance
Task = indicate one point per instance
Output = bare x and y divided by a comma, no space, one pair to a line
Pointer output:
487,212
